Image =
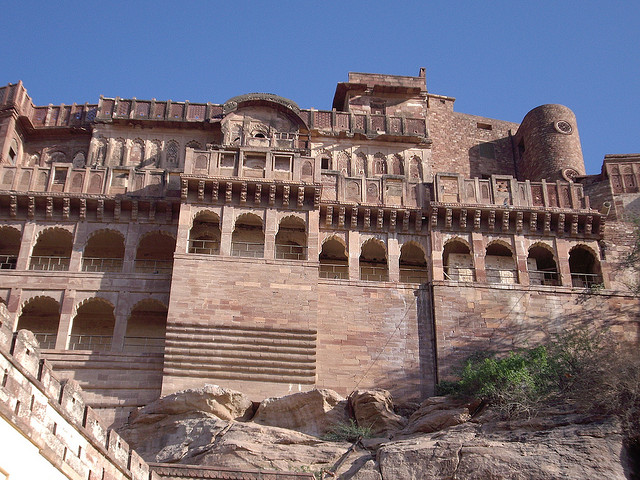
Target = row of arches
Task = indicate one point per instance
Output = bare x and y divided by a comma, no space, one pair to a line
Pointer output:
94,322
104,251
501,266
373,262
248,238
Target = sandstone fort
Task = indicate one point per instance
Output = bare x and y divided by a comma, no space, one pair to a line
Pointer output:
153,246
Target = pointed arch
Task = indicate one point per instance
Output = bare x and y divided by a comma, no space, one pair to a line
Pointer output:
584,266
291,239
10,239
104,251
155,252
92,326
52,250
542,265
146,327
413,263
334,259
373,261
500,264
457,261
247,239
41,315
205,233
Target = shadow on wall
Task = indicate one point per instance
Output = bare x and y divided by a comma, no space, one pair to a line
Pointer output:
492,158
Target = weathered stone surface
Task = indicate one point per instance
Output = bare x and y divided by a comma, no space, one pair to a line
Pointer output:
221,402
593,450
374,409
437,413
313,412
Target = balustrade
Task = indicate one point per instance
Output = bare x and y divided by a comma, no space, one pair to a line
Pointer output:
248,250
48,263
94,264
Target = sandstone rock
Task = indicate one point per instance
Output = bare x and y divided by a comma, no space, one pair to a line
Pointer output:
374,409
313,412
569,452
437,413
221,402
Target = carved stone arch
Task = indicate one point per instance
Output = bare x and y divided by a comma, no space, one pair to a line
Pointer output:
297,217
252,218
172,155
543,244
136,155
338,238
375,240
117,151
415,168
38,298
194,144
64,230
104,230
157,232
96,299
205,212
379,164
259,130
325,157
56,156
397,164
585,247
414,244
503,244
459,240
79,159
146,301
343,162
360,165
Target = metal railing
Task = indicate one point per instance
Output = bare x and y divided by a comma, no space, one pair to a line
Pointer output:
336,271
373,273
204,247
586,280
8,262
413,275
97,343
47,263
95,264
291,252
506,276
46,340
246,249
157,267
144,344
460,274
544,277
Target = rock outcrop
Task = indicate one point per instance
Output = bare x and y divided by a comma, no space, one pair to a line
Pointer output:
440,440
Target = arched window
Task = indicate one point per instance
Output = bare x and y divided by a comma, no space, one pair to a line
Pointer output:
93,326
52,251
542,266
457,261
334,262
104,252
41,315
248,237
373,261
155,253
146,327
172,153
584,267
204,236
9,247
291,240
500,264
413,264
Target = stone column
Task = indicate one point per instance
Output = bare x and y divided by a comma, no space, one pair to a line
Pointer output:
393,259
226,230
130,248
184,225
521,260
353,243
121,313
313,235
13,306
28,239
478,253
79,241
437,272
66,320
562,249
270,230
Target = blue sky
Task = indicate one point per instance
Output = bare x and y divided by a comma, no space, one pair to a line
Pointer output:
498,59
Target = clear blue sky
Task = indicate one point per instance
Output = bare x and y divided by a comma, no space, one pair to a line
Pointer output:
499,59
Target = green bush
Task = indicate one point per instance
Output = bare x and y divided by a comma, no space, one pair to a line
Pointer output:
347,432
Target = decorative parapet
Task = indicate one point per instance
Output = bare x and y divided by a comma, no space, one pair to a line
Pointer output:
133,109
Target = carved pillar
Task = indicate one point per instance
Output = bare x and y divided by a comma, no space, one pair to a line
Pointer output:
66,320
562,249
393,258
184,225
353,239
79,242
313,235
130,248
121,314
478,253
521,260
436,256
270,230
26,245
226,230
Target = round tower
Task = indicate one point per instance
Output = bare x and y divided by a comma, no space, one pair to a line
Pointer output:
548,145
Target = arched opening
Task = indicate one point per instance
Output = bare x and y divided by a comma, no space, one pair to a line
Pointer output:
146,327
584,267
204,236
41,315
155,253
248,238
500,264
413,264
92,327
9,247
457,262
291,239
52,251
373,262
542,266
104,252
334,262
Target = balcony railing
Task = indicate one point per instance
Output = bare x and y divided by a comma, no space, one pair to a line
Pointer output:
506,276
336,271
156,267
544,277
8,262
204,247
46,340
144,344
374,273
246,249
97,343
460,274
413,275
95,264
46,263
586,280
291,252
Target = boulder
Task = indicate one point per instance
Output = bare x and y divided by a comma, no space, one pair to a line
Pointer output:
374,409
437,413
313,412
221,402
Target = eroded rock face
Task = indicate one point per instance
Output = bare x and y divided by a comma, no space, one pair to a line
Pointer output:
313,412
437,413
374,409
